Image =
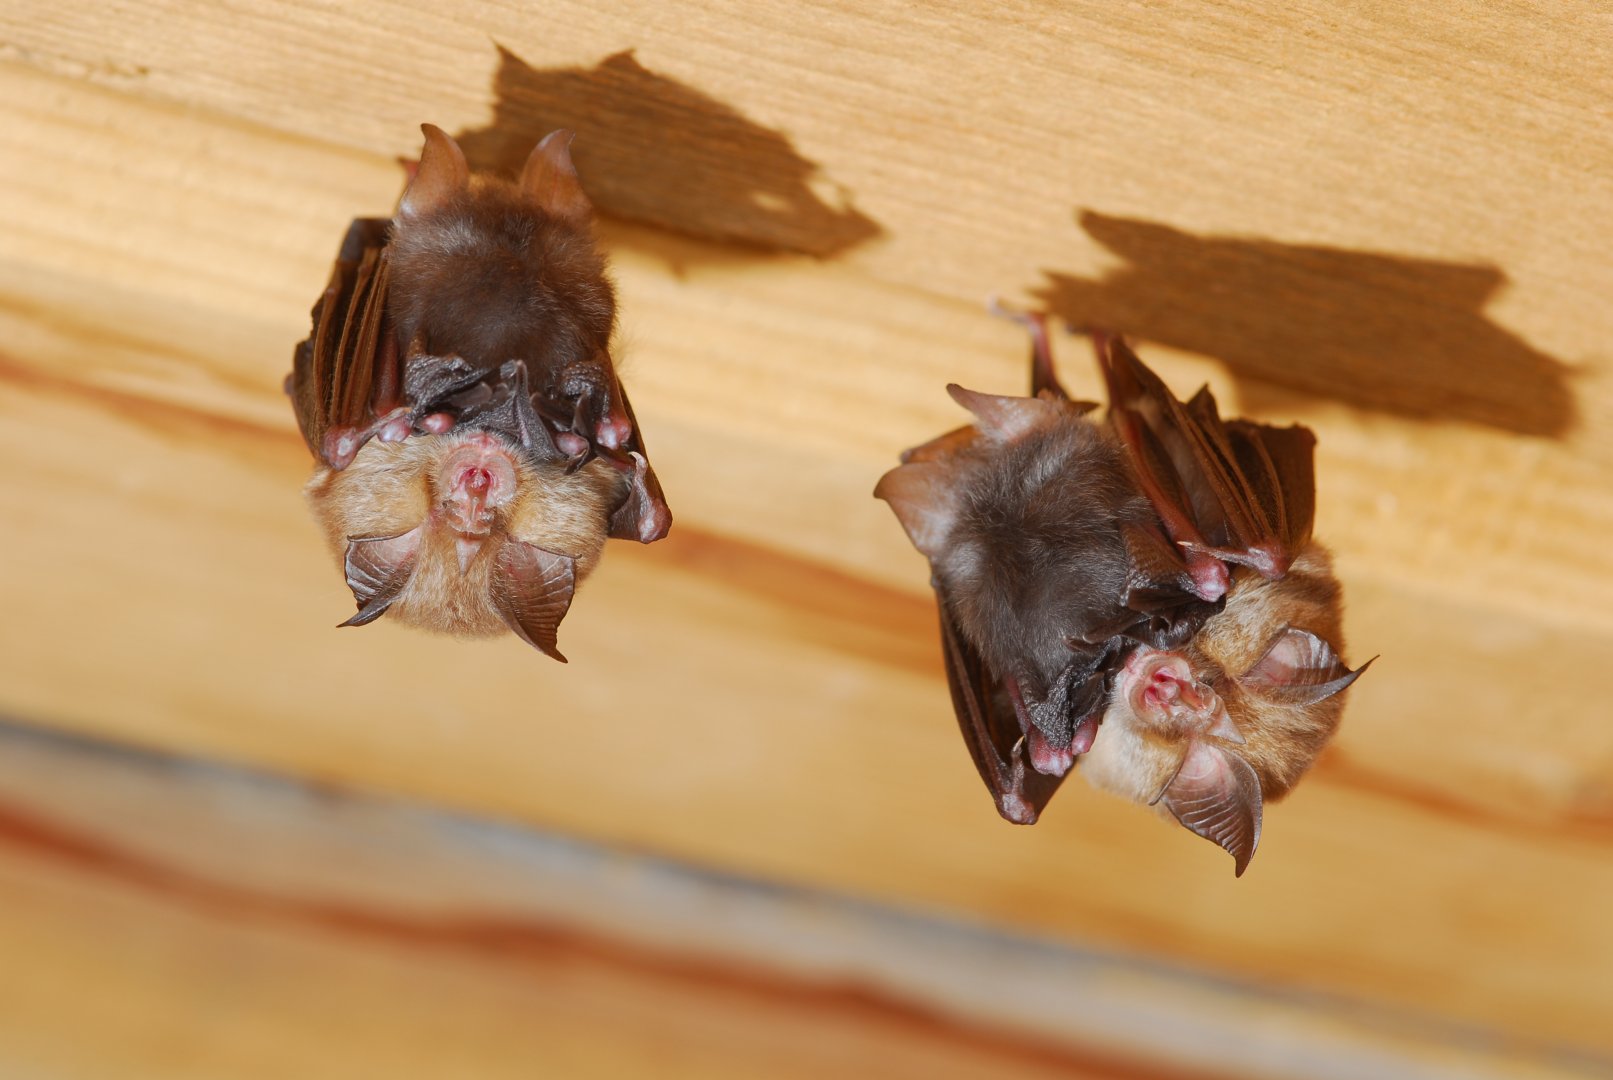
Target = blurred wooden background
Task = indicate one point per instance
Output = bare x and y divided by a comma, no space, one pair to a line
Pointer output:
1389,222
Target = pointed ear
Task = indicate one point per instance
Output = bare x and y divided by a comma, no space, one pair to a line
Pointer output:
378,567
1004,419
551,179
942,447
532,590
1300,669
1216,795
442,175
924,498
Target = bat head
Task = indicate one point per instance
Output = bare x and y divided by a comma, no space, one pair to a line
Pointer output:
1213,730
461,533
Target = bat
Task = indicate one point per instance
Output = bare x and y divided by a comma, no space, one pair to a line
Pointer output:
1141,594
474,446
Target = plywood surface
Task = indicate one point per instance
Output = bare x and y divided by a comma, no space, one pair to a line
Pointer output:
1389,223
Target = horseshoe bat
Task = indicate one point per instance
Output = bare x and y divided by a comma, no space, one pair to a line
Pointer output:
474,446
1140,593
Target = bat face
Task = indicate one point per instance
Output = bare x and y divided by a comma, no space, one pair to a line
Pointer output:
476,446
429,530
1213,730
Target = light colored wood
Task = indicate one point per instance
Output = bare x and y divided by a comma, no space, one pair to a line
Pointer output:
762,691
203,978
268,929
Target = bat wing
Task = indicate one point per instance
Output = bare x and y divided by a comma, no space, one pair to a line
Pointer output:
642,514
1226,492
991,728
346,379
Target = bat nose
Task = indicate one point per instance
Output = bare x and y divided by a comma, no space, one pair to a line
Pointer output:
477,478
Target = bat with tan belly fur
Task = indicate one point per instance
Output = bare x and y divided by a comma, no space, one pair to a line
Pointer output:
475,446
1141,595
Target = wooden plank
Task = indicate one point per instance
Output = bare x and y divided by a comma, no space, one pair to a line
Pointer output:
803,733
863,353
208,922
177,177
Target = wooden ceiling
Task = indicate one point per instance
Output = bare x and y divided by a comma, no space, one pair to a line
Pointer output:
1389,222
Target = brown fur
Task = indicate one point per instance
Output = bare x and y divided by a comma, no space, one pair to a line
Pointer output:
1136,760
491,277
390,488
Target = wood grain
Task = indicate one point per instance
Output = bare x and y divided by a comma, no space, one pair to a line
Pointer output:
177,176
218,922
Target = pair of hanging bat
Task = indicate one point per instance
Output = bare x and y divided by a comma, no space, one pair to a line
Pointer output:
1143,594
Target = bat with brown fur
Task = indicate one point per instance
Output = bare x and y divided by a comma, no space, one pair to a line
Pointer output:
1142,595
475,446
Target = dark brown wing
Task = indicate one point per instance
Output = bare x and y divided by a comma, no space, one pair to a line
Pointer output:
1229,492
642,514
991,728
346,379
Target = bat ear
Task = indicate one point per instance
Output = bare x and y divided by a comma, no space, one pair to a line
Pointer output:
550,178
943,446
1004,419
378,567
1216,795
1300,669
532,590
922,495
442,175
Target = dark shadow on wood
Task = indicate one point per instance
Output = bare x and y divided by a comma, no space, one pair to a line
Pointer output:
1401,335
655,151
